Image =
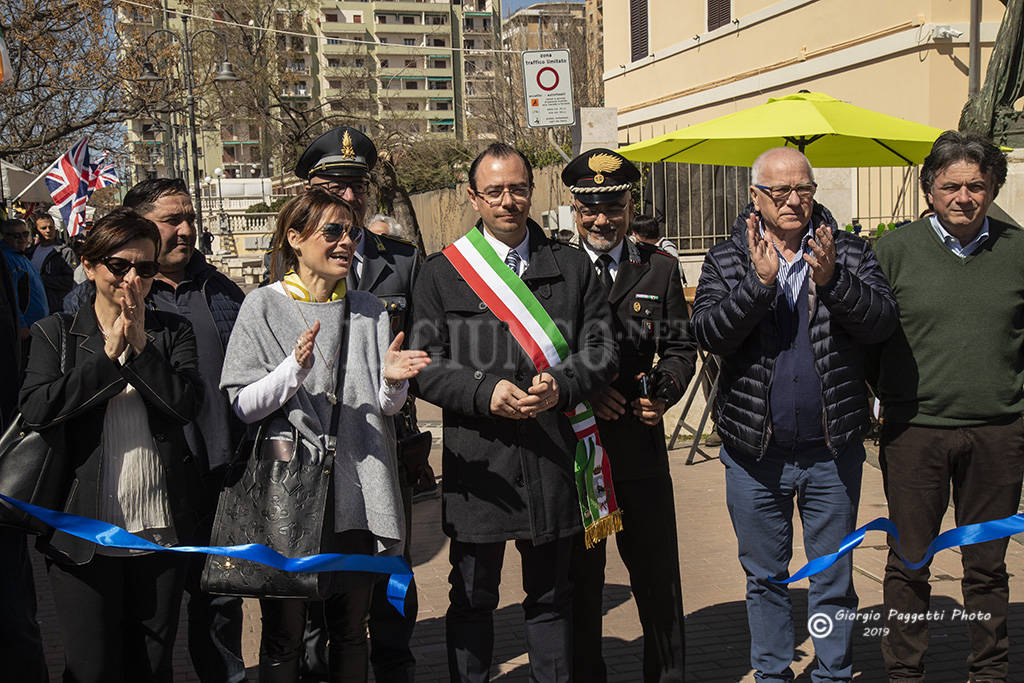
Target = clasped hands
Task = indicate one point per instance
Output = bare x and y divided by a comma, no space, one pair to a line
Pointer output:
610,405
508,400
129,328
765,256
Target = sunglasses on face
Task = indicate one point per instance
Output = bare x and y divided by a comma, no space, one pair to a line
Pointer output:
335,231
119,267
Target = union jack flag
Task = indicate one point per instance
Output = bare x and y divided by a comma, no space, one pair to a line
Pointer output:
102,174
68,183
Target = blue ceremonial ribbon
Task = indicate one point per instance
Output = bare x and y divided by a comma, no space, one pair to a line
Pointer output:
961,535
110,536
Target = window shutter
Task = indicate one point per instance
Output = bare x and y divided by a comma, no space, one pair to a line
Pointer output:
638,45
719,13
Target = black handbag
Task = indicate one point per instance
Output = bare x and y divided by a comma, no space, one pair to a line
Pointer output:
281,501
33,465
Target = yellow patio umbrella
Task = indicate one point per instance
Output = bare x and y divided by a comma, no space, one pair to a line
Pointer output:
830,132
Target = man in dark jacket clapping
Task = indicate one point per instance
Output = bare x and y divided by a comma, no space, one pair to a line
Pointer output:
789,303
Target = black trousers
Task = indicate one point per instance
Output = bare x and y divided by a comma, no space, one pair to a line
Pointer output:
647,545
985,465
21,647
118,617
214,621
345,616
469,624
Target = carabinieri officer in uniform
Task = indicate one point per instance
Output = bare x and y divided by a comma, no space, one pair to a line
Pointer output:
642,285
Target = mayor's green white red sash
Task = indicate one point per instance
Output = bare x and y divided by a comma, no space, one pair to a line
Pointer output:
512,302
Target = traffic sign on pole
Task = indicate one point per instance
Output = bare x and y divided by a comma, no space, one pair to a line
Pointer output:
547,81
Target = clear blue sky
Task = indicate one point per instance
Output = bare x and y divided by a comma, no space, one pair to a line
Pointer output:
510,6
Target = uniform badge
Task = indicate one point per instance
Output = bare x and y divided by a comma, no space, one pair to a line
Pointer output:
347,150
636,306
601,164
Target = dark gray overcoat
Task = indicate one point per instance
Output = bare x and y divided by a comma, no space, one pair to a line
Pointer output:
510,479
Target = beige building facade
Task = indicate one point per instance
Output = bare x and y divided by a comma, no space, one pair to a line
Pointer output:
669,64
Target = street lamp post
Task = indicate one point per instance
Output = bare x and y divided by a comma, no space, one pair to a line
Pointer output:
224,74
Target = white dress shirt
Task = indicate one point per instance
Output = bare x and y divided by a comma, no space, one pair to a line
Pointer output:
502,249
615,252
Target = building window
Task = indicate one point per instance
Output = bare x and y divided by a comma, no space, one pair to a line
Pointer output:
440,64
410,63
469,44
408,20
382,18
333,61
383,63
436,20
441,106
638,48
383,41
409,41
359,62
437,42
330,17
412,106
719,13
333,41
357,19
439,85
411,85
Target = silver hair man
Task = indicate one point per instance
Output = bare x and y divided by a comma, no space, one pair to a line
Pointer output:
385,225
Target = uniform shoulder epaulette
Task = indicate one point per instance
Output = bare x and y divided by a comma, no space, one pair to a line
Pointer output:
399,240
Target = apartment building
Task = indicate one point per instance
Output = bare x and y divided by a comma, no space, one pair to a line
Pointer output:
409,67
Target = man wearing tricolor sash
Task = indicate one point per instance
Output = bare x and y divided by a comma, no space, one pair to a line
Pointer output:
642,286
519,333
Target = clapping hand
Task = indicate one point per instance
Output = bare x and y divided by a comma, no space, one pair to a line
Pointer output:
304,346
823,262
762,251
129,326
402,365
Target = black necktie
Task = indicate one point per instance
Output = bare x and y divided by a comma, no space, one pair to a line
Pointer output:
513,260
604,272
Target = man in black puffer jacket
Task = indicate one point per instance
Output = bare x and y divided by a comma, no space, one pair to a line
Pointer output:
789,303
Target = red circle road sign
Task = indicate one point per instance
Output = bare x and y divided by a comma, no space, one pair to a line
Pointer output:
541,84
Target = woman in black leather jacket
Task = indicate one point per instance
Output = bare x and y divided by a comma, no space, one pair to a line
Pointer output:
129,386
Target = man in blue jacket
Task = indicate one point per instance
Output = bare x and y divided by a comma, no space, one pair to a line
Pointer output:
789,303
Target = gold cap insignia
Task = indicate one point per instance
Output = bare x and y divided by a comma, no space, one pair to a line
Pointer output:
346,146
601,164
636,306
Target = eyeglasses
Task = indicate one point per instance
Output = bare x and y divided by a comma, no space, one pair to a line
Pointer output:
335,231
358,187
119,267
494,196
780,193
609,210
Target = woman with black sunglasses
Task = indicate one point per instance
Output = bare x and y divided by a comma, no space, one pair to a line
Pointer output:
129,385
288,364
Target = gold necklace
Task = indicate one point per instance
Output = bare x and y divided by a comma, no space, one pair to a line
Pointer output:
332,397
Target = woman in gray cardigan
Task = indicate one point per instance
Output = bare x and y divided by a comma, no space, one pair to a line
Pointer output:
283,361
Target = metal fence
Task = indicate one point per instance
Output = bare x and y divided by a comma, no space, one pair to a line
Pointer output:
698,203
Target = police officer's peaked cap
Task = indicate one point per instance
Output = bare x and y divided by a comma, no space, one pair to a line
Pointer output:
342,151
599,176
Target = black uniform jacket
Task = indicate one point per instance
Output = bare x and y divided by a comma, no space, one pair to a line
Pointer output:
390,267
504,478
165,375
650,317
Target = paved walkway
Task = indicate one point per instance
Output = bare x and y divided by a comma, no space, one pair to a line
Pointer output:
713,592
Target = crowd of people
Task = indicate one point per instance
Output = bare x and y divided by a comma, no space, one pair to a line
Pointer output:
553,361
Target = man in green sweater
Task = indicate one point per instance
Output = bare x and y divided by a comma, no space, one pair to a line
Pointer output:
950,382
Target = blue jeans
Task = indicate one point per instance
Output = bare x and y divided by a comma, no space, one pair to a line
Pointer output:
760,498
